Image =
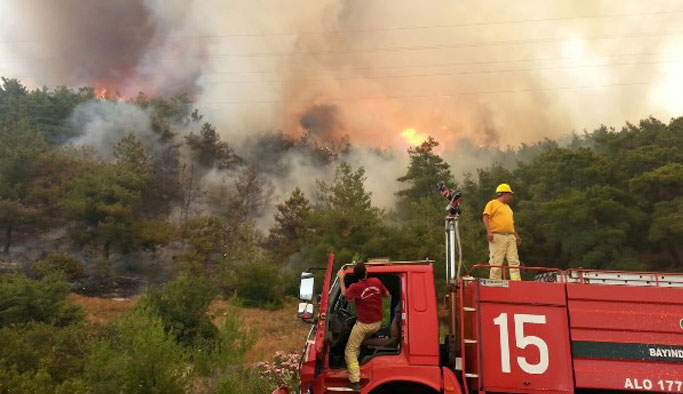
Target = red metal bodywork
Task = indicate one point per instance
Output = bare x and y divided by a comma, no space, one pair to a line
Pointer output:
617,318
593,336
522,337
312,360
529,299
418,360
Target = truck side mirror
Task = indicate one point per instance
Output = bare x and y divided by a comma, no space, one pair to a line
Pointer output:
305,311
307,286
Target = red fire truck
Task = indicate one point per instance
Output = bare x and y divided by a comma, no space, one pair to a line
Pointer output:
574,331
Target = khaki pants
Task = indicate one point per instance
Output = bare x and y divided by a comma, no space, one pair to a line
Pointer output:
503,246
359,332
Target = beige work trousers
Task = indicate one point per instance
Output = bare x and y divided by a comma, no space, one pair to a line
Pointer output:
359,332
503,246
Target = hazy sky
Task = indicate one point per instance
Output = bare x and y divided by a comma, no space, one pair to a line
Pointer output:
494,71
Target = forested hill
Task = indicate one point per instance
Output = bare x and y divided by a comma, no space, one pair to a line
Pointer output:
105,191
612,199
609,199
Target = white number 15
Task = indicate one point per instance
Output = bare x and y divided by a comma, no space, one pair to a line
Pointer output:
522,342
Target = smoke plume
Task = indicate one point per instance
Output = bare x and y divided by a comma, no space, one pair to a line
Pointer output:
101,125
382,75
322,121
122,47
491,72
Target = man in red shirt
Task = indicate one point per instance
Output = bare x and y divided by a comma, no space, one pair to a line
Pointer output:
367,294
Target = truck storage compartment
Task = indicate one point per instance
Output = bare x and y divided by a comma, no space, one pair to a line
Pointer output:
521,337
626,337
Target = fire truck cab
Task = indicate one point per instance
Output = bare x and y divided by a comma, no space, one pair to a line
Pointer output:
403,357
561,332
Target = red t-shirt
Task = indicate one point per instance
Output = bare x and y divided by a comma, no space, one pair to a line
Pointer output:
368,297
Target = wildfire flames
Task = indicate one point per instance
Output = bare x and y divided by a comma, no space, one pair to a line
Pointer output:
413,137
101,93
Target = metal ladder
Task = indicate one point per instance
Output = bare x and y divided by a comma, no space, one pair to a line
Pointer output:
468,340
618,278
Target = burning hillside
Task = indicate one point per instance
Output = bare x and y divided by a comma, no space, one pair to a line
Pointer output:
370,71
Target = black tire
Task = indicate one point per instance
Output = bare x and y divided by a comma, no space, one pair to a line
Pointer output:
404,388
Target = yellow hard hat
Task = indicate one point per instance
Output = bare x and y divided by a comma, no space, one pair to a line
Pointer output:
504,188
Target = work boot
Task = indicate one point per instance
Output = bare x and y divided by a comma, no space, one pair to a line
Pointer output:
355,386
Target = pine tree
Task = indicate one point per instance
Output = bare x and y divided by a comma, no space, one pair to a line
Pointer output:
290,226
343,219
209,151
31,179
426,169
104,203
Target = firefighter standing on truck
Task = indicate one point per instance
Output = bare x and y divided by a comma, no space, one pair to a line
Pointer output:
500,233
367,294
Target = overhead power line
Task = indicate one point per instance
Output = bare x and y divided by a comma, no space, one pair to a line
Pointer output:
404,28
447,46
449,26
471,72
431,65
398,97
444,96
426,65
397,49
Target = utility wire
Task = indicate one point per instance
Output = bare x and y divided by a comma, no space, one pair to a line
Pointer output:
446,46
426,65
390,97
448,26
443,96
408,28
397,49
438,74
512,70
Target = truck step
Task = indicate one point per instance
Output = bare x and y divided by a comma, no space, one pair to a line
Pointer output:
469,309
471,375
340,389
470,341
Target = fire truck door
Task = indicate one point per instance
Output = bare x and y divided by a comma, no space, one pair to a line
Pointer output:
322,319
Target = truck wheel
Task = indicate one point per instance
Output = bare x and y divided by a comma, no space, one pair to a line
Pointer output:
404,388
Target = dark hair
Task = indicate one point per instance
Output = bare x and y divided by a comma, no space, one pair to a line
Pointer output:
359,270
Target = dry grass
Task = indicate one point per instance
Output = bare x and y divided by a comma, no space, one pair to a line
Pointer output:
276,330
102,310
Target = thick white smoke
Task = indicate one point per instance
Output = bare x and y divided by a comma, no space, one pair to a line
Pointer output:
102,124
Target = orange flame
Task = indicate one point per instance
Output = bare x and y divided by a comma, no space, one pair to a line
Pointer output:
413,137
101,93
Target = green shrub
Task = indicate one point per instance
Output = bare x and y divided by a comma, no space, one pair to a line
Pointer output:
23,300
229,348
56,262
11,381
182,304
138,356
259,283
39,382
38,358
